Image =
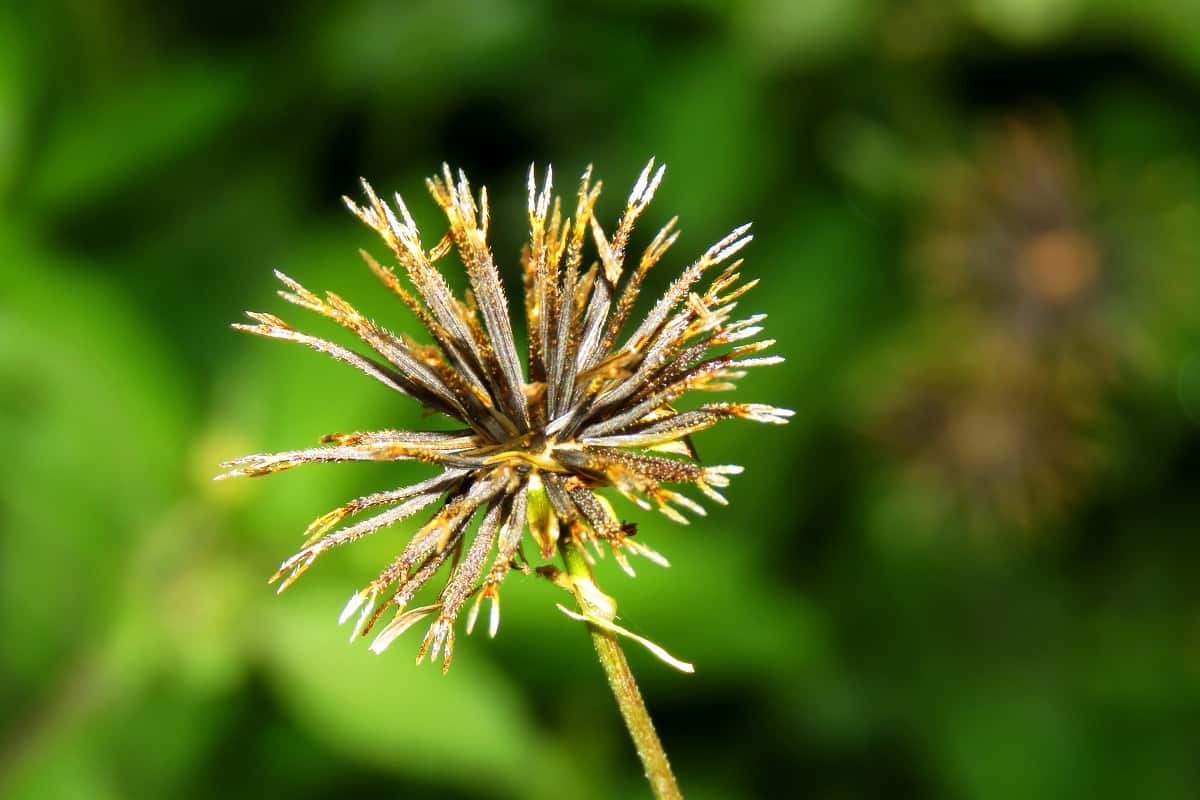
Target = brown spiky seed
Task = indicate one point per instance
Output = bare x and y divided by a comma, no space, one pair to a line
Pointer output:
588,411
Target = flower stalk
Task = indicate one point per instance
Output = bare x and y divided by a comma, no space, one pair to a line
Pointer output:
592,602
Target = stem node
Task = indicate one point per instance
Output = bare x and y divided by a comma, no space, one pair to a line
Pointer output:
620,678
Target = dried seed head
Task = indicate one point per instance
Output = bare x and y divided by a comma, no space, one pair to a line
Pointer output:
585,412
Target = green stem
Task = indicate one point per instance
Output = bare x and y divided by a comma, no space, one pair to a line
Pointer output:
620,678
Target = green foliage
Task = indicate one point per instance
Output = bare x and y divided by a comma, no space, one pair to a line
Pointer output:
863,621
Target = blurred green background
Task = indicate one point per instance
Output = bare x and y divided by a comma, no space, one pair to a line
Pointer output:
967,569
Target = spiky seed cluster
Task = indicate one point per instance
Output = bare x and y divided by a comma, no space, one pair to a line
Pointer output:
1001,420
1015,235
591,411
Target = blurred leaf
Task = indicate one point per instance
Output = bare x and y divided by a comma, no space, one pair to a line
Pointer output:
395,45
1014,741
17,79
465,728
1026,20
101,147
72,769
93,418
801,33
